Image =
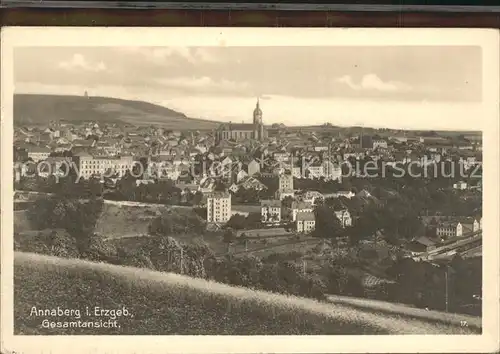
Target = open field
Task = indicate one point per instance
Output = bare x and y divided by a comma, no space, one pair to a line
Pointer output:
164,303
121,221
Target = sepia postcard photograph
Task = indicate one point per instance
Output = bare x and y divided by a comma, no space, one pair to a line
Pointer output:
224,190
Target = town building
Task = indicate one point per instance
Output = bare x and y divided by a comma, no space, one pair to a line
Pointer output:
270,211
285,186
242,131
449,229
38,153
218,207
300,207
312,197
332,171
345,194
305,222
89,165
461,185
469,225
379,143
344,217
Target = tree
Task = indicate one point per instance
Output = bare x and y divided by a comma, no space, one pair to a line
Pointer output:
327,224
220,186
135,257
287,202
126,186
166,254
172,223
54,242
253,221
98,249
71,185
197,198
229,237
94,187
237,222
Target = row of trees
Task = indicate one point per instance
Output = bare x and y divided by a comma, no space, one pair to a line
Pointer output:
77,218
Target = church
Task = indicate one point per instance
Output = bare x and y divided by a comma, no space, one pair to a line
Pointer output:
243,131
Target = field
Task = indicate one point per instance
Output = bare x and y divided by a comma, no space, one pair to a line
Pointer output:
124,221
39,109
127,225
164,303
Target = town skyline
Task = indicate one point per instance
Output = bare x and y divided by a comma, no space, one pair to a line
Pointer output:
223,83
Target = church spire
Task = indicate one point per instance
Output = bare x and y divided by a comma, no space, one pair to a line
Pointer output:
257,113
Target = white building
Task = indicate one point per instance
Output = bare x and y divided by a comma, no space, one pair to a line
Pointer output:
332,171
315,170
300,207
285,186
296,172
270,211
285,181
218,207
344,217
379,143
89,165
345,194
470,224
37,153
312,197
163,170
305,222
461,185
449,229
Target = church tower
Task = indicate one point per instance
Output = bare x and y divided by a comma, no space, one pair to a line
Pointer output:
257,122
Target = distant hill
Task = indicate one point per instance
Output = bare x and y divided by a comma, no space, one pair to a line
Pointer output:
167,304
41,109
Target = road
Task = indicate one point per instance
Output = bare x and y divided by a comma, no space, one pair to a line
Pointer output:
114,202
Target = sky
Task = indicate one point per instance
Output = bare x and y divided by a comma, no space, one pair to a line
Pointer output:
419,87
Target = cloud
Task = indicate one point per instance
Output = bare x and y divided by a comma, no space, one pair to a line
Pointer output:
78,61
204,83
374,83
193,55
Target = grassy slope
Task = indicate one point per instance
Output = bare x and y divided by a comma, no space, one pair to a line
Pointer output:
43,108
118,221
163,303
392,308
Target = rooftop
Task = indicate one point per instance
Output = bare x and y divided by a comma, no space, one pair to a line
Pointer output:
305,216
219,194
270,203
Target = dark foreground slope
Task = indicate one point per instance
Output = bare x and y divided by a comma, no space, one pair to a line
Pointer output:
40,109
164,303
